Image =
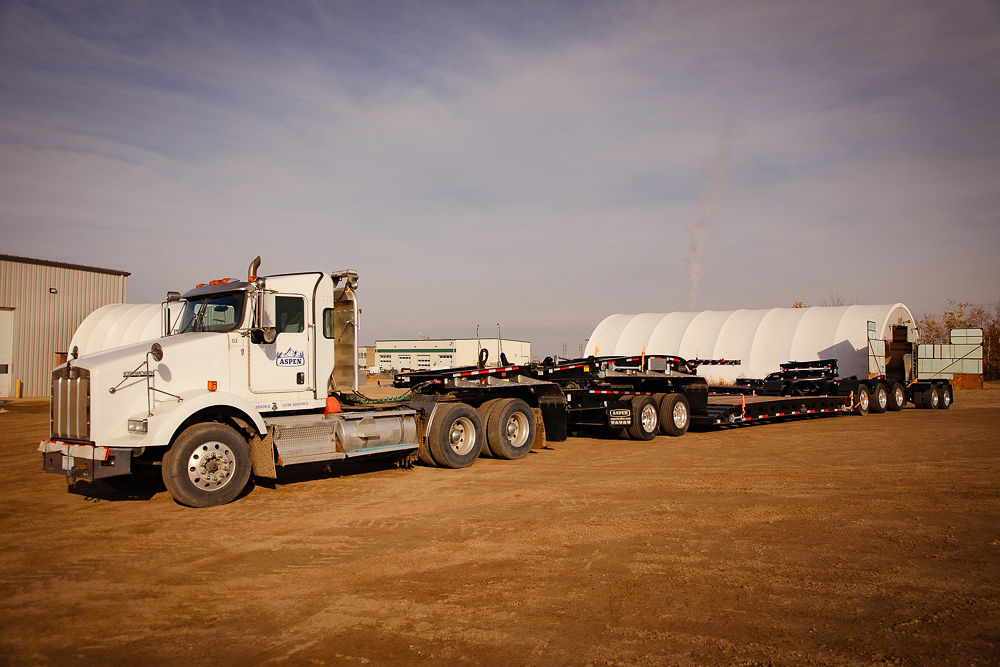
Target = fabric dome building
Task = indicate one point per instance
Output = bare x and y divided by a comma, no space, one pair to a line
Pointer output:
760,339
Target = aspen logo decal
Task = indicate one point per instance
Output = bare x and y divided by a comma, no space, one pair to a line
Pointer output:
290,357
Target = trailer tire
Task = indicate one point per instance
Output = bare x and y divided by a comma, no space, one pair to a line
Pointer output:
510,431
897,397
208,465
946,397
879,399
456,436
484,411
932,398
675,414
645,418
862,400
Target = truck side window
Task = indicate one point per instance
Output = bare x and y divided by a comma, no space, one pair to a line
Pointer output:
328,331
289,313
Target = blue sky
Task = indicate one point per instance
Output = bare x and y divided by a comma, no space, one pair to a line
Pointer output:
538,164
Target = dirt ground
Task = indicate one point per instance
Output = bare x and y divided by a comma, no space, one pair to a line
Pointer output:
845,540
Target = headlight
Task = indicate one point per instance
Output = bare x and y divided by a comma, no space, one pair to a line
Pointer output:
138,425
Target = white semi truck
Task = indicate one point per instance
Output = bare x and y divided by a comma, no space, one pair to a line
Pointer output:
242,382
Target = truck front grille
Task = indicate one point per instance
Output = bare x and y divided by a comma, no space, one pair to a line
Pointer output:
70,404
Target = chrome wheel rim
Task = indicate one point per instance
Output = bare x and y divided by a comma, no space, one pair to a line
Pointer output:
516,429
462,436
211,465
882,396
900,396
680,415
648,418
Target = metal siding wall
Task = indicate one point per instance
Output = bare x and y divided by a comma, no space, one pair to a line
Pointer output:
44,323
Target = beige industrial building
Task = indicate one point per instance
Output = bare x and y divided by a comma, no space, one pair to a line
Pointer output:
434,353
41,304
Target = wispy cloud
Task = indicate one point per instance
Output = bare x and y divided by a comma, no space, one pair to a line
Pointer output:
533,164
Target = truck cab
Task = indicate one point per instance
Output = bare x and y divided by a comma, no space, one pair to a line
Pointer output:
238,381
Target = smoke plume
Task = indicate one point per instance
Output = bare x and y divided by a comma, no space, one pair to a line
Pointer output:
709,202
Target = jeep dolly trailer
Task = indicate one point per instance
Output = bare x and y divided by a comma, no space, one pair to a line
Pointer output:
248,380
639,396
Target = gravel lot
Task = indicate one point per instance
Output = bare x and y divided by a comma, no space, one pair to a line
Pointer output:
846,540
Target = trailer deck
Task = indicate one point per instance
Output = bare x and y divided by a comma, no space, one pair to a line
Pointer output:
725,409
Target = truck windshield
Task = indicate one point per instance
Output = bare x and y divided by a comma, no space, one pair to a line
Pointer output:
213,312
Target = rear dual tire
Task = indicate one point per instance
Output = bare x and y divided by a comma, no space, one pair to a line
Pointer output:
645,418
455,438
897,397
879,399
862,400
946,398
675,414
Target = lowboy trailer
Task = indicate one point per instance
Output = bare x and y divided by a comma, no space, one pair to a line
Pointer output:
886,392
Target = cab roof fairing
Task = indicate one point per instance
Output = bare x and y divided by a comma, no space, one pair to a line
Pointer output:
204,290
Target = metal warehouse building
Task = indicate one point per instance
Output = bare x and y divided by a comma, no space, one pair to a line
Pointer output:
424,354
41,304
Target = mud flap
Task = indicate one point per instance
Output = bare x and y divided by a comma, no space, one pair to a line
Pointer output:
262,455
539,442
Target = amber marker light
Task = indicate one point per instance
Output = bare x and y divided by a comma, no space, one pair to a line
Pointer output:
212,385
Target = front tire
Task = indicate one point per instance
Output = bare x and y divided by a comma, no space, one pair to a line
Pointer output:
208,465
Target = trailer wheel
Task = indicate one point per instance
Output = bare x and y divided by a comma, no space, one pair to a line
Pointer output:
456,436
879,399
208,465
946,397
645,418
484,411
510,431
932,399
862,400
897,397
675,414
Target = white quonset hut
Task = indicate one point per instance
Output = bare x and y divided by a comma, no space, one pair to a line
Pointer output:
761,339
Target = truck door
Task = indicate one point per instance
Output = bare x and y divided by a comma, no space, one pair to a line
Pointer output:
284,365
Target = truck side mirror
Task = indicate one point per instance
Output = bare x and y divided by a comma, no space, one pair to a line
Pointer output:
264,330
